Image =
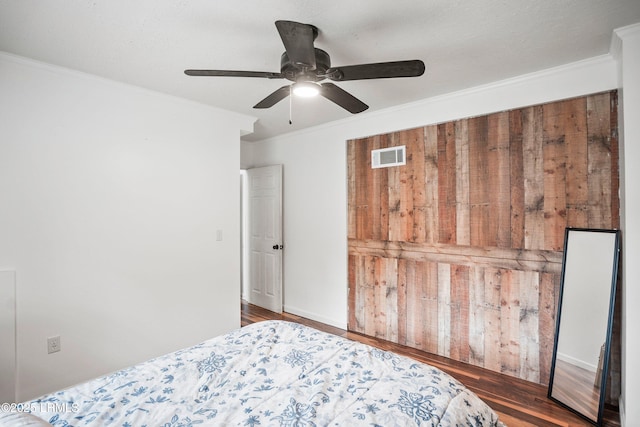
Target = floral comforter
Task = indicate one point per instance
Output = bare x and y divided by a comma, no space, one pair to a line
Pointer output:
271,373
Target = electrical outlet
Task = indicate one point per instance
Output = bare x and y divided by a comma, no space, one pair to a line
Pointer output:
53,344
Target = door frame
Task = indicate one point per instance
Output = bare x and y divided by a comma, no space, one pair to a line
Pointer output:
245,239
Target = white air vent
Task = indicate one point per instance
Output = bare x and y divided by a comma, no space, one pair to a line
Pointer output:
387,157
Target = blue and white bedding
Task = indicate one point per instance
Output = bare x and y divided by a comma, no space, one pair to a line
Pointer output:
271,373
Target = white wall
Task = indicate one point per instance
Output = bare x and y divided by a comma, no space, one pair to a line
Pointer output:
7,336
315,198
626,43
110,201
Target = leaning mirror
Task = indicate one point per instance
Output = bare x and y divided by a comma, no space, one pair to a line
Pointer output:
584,321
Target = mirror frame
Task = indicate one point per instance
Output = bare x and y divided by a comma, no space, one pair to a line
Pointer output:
609,329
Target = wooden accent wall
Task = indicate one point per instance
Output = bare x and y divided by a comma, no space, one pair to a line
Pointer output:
459,252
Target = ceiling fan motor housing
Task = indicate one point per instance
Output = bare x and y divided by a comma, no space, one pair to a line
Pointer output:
295,73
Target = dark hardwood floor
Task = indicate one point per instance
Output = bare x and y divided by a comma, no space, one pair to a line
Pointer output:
517,402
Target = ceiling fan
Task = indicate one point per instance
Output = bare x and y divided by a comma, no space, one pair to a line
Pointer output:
306,65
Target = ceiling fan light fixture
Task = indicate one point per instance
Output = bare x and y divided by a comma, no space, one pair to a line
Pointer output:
306,89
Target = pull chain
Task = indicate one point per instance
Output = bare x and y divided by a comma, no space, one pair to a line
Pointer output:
290,105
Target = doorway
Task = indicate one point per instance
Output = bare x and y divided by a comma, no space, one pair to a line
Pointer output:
262,243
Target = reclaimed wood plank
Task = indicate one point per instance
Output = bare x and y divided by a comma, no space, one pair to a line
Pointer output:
463,235
414,304
406,189
421,295
351,189
547,306
515,259
446,183
479,182
352,292
414,181
399,199
444,309
599,166
378,193
369,294
575,139
476,315
516,156
395,190
363,164
499,180
532,133
528,326
459,312
430,307
509,323
383,193
555,161
402,309
391,300
386,299
360,302
492,321
380,298
432,228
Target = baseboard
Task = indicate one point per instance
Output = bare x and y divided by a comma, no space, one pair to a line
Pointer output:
314,316
577,362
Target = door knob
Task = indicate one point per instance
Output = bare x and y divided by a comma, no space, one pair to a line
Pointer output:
276,247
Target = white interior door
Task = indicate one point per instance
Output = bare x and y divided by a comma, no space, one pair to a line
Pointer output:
264,235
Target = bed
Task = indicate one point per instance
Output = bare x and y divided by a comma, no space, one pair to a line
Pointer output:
271,373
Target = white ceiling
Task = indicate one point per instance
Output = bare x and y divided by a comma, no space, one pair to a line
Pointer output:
463,43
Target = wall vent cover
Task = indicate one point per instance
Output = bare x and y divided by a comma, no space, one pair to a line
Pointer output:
387,157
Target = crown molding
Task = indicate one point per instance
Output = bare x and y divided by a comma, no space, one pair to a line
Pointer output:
578,78
617,39
245,123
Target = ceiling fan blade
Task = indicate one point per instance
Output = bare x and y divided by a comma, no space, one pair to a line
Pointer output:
342,98
380,70
231,73
298,42
275,97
